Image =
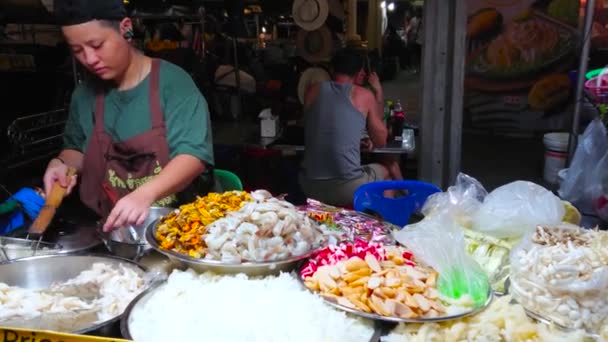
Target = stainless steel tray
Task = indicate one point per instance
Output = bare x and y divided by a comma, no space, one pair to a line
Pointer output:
216,266
15,248
41,271
141,299
541,319
377,317
144,297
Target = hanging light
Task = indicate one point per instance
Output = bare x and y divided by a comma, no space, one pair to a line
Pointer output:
391,6
264,29
383,4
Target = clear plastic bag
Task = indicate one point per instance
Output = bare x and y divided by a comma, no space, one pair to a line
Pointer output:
438,242
597,188
516,209
460,201
579,181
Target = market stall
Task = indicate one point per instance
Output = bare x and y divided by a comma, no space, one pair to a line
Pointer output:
508,265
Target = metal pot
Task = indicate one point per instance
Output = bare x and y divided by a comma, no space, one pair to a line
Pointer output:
129,242
42,271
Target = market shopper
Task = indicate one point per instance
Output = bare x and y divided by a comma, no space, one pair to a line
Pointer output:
138,131
336,114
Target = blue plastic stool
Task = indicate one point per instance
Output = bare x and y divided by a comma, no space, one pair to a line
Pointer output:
370,197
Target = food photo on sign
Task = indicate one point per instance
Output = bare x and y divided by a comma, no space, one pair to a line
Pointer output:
518,62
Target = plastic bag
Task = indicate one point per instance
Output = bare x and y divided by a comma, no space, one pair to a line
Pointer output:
597,188
438,242
516,209
460,201
579,182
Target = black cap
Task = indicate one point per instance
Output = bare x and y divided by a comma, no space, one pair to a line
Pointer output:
74,12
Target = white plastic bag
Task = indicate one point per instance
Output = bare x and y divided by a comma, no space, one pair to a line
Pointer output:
460,201
438,242
579,181
597,188
515,209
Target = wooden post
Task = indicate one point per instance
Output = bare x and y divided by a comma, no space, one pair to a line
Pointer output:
351,23
374,25
443,63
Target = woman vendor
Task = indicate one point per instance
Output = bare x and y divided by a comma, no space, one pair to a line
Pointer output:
138,132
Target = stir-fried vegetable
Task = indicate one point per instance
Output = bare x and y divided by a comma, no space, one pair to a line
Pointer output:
182,230
492,254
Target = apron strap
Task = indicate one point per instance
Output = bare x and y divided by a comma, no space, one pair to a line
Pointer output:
99,111
155,107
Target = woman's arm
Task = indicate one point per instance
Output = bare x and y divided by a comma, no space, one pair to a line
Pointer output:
375,126
374,82
134,207
174,177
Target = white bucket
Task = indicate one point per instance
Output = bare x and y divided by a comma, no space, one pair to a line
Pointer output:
556,153
561,176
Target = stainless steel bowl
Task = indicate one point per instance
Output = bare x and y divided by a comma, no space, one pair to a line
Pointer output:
122,243
142,299
42,271
202,265
14,248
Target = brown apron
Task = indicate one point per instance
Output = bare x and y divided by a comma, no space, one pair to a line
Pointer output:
113,169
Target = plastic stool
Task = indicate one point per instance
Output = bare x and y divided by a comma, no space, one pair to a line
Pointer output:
228,181
370,197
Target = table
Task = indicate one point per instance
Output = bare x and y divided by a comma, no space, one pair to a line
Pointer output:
393,147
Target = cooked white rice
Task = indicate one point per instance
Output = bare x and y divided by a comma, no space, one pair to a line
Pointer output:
234,308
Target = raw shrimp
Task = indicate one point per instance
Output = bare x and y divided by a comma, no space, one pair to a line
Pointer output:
266,230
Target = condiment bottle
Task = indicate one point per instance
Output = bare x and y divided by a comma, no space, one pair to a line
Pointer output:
397,121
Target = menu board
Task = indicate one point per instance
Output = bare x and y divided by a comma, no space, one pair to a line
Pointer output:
27,335
519,58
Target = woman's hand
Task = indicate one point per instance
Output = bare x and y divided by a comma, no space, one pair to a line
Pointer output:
132,209
57,171
374,82
367,145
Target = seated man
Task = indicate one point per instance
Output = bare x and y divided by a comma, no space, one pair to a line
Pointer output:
336,114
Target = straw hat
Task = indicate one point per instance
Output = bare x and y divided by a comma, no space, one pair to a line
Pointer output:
310,14
311,76
315,46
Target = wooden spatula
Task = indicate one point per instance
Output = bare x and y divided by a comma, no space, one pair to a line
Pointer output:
52,202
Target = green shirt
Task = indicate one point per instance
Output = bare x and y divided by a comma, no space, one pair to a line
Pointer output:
127,114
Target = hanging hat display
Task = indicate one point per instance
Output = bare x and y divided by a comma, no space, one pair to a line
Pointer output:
310,76
315,46
310,14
